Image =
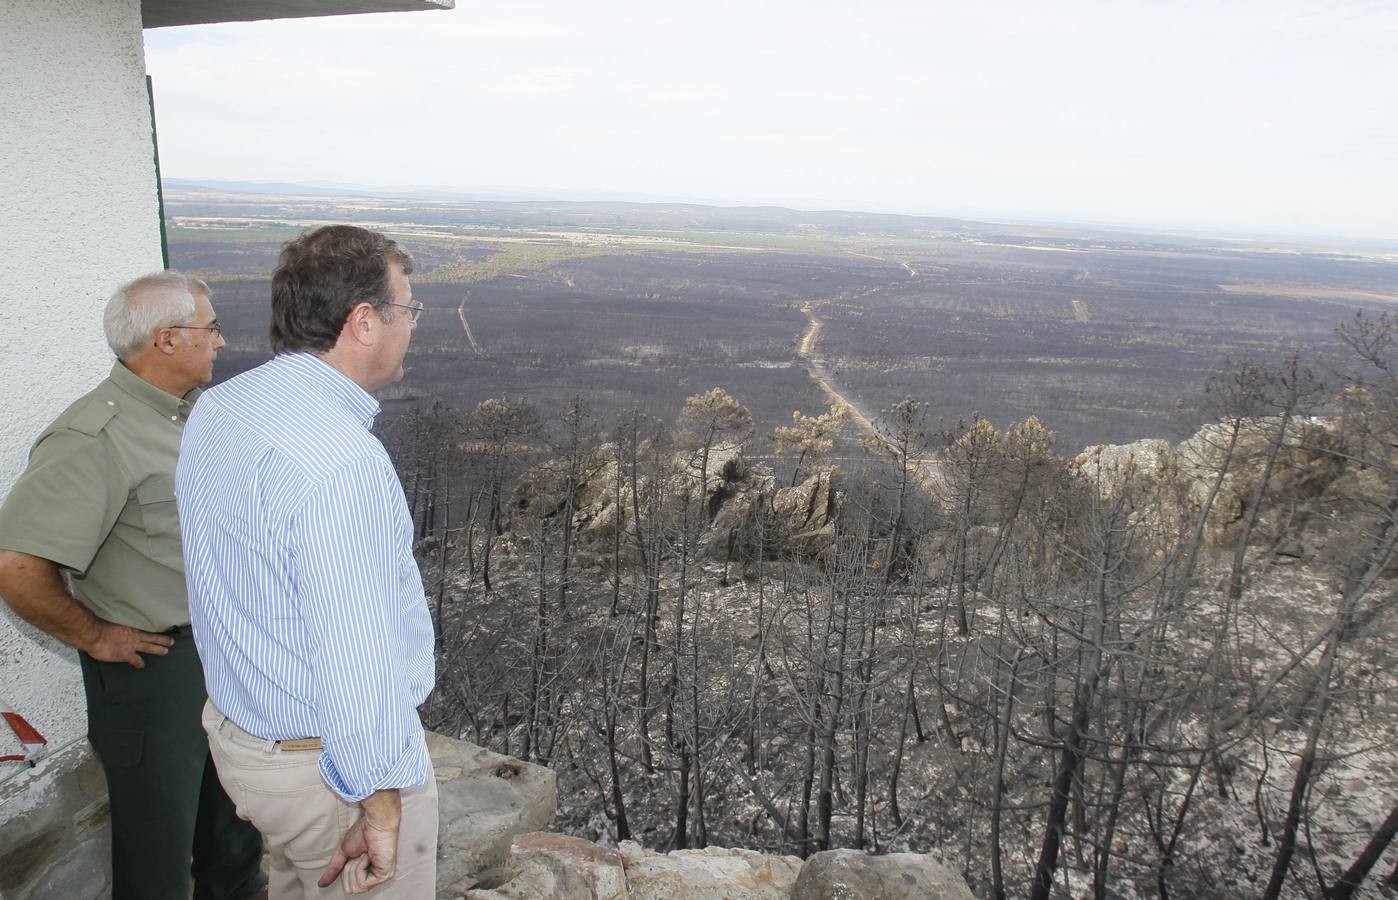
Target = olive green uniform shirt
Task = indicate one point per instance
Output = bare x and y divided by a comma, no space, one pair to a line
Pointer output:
98,499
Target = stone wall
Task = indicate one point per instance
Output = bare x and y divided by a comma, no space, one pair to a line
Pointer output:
55,835
556,867
55,845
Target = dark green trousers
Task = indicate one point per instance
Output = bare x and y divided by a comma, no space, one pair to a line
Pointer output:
167,805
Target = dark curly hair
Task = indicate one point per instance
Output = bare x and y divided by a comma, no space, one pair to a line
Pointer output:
322,276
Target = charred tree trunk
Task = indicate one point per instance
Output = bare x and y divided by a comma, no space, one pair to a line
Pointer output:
1002,746
1349,882
1056,821
825,795
538,663
623,828
679,743
1300,787
897,773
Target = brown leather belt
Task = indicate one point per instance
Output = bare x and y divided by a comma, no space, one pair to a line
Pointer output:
299,744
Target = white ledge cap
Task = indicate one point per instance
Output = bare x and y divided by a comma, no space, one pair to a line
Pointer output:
162,13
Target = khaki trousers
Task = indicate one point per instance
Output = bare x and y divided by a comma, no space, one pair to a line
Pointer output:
302,821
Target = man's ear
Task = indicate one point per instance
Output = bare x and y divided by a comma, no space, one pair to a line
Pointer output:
164,340
357,324
364,324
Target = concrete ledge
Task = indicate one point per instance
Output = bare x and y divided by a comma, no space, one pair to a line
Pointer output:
55,831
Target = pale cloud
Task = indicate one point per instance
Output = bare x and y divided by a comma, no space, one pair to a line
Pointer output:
1248,114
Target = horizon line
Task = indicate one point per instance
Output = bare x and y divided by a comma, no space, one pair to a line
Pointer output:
513,194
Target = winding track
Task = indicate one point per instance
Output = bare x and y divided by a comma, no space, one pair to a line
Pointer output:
929,475
466,326
815,367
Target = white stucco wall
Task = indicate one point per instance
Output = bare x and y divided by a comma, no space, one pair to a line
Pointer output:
78,215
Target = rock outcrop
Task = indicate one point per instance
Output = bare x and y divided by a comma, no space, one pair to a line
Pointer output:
1172,482
805,515
485,799
850,874
713,873
800,520
557,866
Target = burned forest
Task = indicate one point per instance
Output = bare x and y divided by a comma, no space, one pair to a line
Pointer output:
1146,669
1067,558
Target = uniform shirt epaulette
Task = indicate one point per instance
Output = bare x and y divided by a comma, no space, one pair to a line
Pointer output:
93,418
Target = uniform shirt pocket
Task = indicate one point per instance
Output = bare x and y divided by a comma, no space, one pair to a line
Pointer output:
160,519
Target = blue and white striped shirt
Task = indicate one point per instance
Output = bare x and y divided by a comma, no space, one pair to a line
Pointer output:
307,604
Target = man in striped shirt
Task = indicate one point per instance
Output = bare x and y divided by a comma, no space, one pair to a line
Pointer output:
306,601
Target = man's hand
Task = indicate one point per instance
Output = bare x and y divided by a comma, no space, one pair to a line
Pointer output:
34,588
368,855
110,642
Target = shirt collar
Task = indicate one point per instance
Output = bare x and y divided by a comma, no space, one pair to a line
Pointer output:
168,405
359,402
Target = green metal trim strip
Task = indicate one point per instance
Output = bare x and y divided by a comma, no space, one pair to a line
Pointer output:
159,189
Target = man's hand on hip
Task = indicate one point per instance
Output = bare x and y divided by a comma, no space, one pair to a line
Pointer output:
120,643
368,855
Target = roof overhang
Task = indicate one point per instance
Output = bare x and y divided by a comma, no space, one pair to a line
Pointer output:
160,13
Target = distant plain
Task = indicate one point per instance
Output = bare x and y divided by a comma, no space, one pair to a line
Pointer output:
1106,336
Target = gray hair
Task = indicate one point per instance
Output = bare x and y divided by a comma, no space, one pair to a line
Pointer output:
152,301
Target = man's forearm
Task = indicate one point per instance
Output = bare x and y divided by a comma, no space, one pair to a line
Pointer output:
368,853
34,589
384,809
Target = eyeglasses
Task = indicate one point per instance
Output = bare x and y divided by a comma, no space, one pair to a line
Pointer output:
214,327
414,310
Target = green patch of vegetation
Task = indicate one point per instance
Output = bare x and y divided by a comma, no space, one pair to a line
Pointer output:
512,258
743,239
230,277
229,232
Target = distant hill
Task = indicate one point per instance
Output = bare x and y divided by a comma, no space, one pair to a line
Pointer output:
496,209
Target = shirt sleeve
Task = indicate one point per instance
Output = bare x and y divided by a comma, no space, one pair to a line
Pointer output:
64,505
347,548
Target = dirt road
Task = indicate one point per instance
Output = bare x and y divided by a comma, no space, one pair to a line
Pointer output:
815,367
466,326
928,473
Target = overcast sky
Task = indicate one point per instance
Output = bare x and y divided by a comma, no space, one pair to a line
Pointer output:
1269,116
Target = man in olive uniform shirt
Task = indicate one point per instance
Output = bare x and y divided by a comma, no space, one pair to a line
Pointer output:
97,503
